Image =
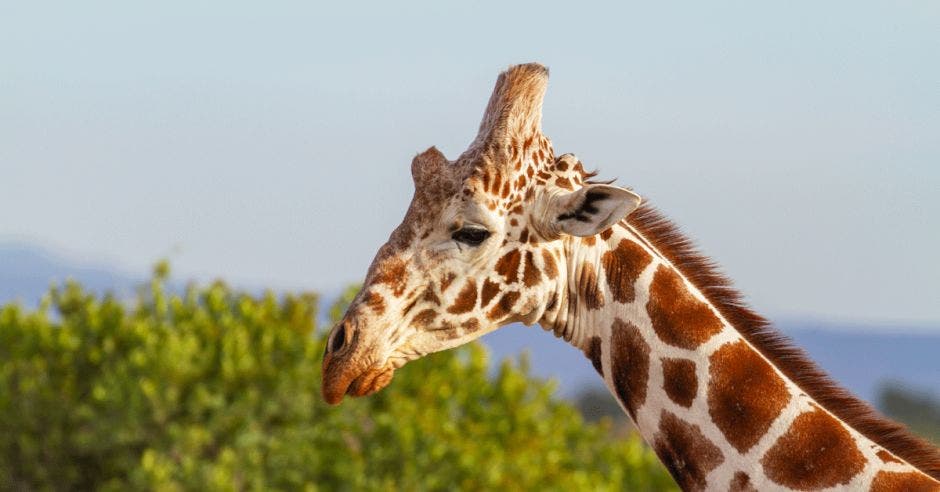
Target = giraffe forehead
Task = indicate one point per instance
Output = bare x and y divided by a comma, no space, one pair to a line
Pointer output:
504,177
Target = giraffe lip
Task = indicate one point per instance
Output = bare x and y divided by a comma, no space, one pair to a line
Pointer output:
340,379
336,379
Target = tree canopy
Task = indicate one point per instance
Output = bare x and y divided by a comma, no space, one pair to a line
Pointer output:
215,389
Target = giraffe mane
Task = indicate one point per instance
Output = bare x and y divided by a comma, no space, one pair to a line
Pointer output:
791,360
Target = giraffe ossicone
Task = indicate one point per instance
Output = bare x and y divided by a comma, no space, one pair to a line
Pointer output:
508,232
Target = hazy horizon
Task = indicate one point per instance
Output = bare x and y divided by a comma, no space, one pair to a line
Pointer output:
270,145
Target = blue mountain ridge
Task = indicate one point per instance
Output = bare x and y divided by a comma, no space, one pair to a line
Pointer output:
27,271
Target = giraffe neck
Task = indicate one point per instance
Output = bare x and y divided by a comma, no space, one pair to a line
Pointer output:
718,412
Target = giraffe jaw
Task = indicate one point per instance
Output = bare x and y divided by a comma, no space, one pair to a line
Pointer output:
371,381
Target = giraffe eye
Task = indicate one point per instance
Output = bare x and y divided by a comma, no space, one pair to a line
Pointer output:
471,236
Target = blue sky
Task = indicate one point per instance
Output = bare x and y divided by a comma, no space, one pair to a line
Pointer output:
269,143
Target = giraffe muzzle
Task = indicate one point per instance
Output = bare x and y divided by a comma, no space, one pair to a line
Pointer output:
345,370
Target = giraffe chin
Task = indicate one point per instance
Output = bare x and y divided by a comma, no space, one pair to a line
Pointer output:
336,386
371,381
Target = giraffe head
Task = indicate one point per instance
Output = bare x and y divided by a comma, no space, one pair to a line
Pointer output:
481,245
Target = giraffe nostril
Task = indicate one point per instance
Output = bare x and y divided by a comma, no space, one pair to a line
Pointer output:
339,338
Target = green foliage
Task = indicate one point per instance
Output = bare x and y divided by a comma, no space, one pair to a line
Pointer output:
219,390
920,411
596,403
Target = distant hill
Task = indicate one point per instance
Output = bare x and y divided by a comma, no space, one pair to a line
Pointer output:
27,271
859,357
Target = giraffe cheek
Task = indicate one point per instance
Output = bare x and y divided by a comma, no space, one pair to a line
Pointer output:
466,299
487,292
508,266
503,307
531,276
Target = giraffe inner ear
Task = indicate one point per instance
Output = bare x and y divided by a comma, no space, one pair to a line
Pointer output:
591,209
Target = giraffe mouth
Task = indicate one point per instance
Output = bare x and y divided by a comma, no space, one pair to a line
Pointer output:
339,381
371,381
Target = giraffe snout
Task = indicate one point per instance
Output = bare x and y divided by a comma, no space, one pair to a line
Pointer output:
351,365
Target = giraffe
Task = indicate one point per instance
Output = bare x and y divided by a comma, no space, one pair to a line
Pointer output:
508,232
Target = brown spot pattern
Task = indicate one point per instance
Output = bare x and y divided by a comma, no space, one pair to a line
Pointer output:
745,394
508,265
393,272
741,482
504,306
563,183
886,481
531,275
471,325
487,292
593,353
887,457
376,303
424,318
687,453
497,182
446,280
623,265
590,291
466,299
430,296
678,317
816,452
701,271
679,381
551,270
606,233
408,307
630,364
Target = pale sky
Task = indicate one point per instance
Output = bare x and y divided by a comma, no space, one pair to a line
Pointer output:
269,142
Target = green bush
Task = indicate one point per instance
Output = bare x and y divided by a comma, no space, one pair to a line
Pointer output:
219,390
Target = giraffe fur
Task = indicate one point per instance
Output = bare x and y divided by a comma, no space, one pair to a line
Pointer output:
510,232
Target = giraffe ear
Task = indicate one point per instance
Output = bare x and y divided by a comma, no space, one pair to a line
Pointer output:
590,210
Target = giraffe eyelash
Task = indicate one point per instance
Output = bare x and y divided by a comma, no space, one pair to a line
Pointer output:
471,236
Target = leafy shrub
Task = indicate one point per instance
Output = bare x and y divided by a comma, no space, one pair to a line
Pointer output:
917,409
219,390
